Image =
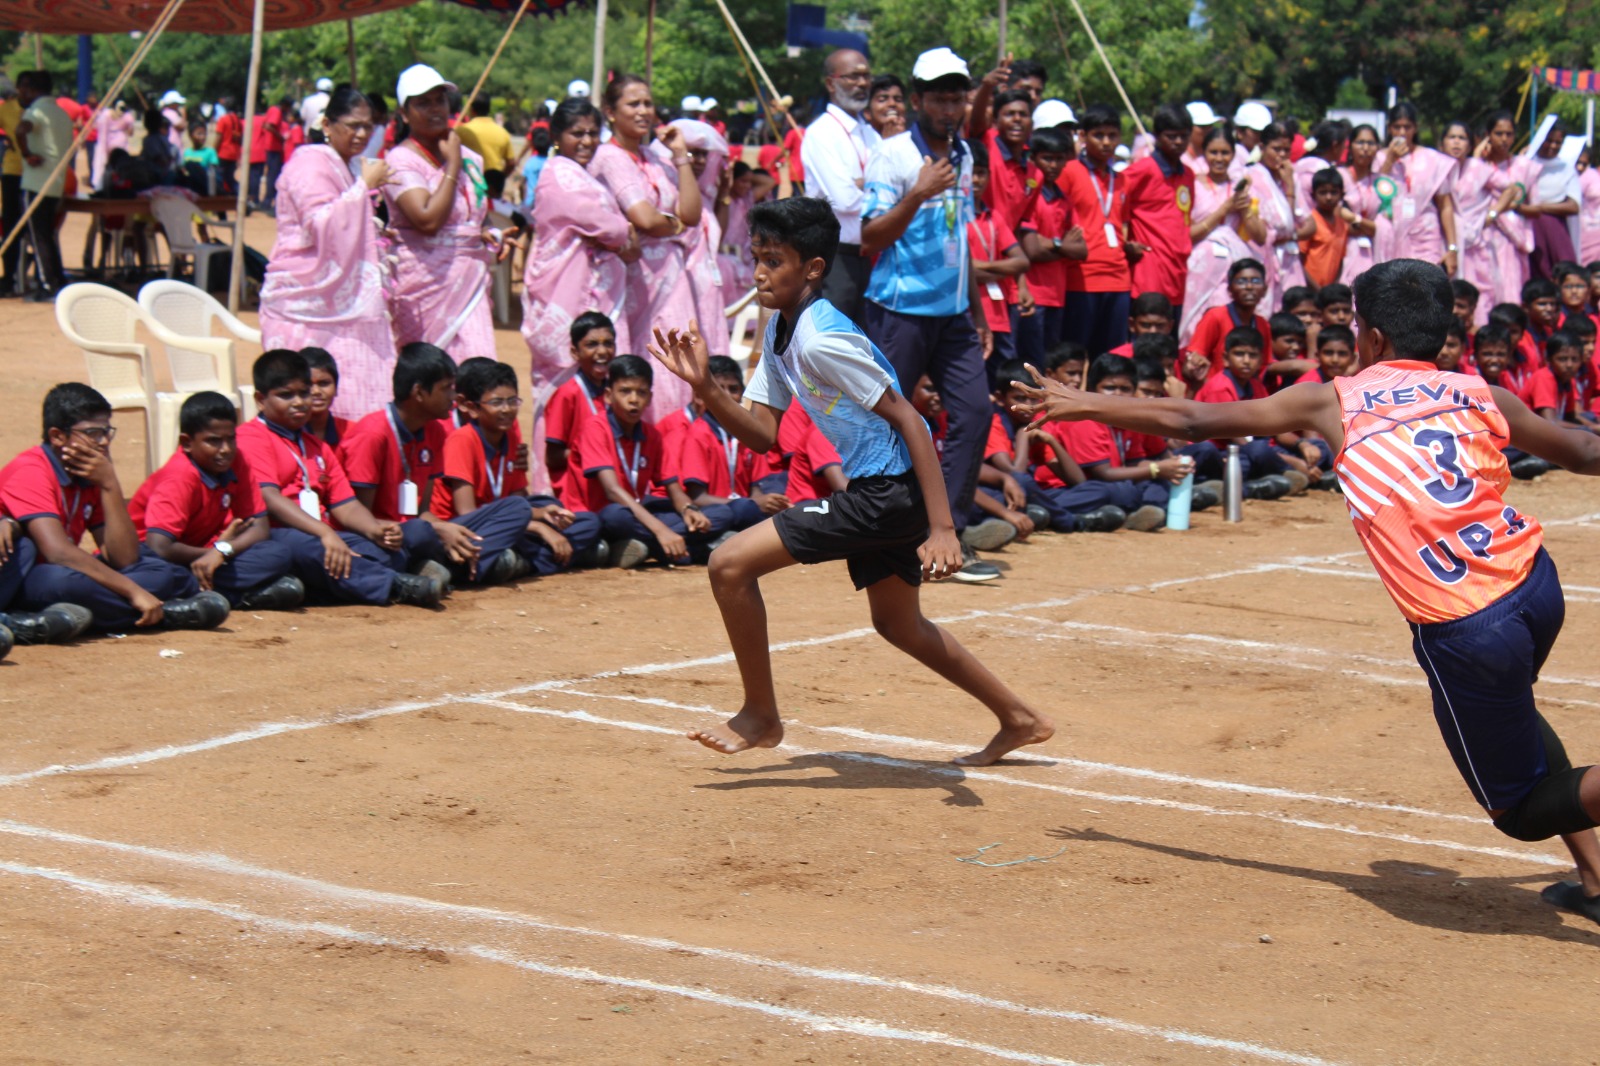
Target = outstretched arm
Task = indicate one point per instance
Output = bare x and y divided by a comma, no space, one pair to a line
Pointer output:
685,354
1572,449
1308,406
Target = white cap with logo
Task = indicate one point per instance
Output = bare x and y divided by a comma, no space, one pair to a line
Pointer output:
1201,113
1052,113
1252,116
417,80
939,63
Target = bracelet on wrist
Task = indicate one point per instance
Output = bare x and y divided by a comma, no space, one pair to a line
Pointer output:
1155,471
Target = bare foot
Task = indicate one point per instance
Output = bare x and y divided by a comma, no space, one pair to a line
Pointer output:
743,731
1010,739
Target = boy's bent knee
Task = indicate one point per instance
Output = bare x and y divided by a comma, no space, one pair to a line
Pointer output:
1553,807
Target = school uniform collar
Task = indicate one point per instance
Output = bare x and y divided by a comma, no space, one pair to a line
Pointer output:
211,481
958,149
716,427
62,477
617,431
1168,170
594,391
1049,191
332,437
397,420
1088,164
293,436
1246,387
1007,154
490,451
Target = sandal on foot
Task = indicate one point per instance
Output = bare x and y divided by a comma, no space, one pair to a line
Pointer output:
1568,895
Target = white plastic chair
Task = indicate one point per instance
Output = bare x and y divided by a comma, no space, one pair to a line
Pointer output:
101,321
182,317
176,216
745,313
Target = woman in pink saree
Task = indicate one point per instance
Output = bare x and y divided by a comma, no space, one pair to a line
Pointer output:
663,202
1588,208
576,264
1496,238
438,202
1361,195
1424,212
1286,218
325,279
749,187
708,158
1223,227
112,127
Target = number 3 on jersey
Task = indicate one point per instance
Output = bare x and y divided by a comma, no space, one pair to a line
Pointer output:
1441,447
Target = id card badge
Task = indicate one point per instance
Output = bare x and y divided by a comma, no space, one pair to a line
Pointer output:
1363,243
1111,235
408,499
952,254
311,503
1408,209
1220,251
994,292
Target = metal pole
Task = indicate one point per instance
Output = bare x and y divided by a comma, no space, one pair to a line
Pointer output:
466,105
350,49
650,43
596,85
252,88
85,67
1104,59
1003,17
1588,127
751,52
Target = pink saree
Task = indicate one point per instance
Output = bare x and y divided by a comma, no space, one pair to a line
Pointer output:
112,128
1423,175
1494,254
324,283
738,268
1281,256
1363,253
571,269
700,254
1588,216
659,293
1207,284
441,286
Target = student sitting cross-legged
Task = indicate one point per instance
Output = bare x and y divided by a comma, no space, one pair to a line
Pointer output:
1264,467
579,398
304,486
621,458
204,510
715,468
393,457
324,390
67,486
480,469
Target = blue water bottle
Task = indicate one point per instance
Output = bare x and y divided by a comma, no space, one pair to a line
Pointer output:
1178,500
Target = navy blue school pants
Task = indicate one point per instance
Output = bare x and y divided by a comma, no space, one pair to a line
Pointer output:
501,523
948,351
1132,495
12,571
257,565
583,534
1257,459
1064,503
1324,452
618,523
1096,320
1208,459
47,583
1035,334
371,574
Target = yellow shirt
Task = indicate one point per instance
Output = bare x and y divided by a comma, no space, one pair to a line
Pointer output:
489,139
10,116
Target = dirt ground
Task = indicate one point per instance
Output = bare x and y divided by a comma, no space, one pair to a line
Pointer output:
477,836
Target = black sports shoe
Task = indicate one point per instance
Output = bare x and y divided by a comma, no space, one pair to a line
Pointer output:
597,557
974,569
1529,467
416,590
508,566
1271,487
7,642
1039,516
205,611
1102,519
284,594
1203,498
56,623
439,572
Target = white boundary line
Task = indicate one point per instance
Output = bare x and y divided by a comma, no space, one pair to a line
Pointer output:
964,773
138,895
395,901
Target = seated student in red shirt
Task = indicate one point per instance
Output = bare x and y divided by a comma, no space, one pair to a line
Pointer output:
998,263
580,398
1247,283
1055,493
1523,356
1149,313
480,468
1152,369
715,468
1099,283
1573,285
1465,295
393,458
1336,355
1563,390
1160,197
1541,302
1067,362
815,470
1453,356
462,413
324,424
621,458
353,564
1336,304
1052,237
992,522
203,510
1586,331
67,486
1266,469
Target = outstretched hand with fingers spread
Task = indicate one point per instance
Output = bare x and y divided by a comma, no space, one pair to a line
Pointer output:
685,354
1058,402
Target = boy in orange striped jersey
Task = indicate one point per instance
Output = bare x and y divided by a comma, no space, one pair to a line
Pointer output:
1419,457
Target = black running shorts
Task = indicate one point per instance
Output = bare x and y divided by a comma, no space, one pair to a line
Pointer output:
876,525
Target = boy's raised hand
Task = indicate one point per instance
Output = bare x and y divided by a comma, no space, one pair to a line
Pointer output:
1057,402
685,354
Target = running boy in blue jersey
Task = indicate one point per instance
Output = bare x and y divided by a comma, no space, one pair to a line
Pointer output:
892,523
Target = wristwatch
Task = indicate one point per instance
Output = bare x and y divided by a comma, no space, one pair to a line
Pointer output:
1056,244
224,549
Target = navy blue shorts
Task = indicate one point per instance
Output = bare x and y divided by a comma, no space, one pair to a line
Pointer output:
1481,669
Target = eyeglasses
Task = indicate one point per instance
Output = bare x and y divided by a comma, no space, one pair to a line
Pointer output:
503,404
1249,283
98,434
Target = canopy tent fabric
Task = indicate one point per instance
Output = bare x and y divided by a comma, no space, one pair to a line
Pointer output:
214,16
1573,81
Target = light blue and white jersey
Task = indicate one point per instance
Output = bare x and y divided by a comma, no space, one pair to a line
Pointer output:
838,376
925,272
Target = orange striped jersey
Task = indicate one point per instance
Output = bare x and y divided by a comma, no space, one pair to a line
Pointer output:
1423,476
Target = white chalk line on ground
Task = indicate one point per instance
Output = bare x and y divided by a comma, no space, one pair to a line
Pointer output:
967,774
466,912
272,729
138,895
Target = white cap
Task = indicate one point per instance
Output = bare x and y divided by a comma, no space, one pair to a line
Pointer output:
417,80
551,105
708,103
324,85
1053,113
577,87
690,103
1251,116
939,63
1201,113
172,96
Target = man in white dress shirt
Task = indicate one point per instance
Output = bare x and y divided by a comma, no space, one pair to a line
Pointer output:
835,153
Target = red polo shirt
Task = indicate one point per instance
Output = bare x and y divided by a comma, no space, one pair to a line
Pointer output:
711,456
990,239
1089,444
1050,217
289,462
193,507
1211,334
1159,202
36,485
380,453
469,460
1097,198
809,454
636,459
573,404
1013,181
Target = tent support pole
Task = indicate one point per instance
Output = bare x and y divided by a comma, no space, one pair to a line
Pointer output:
252,88
466,105
1109,69
597,86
